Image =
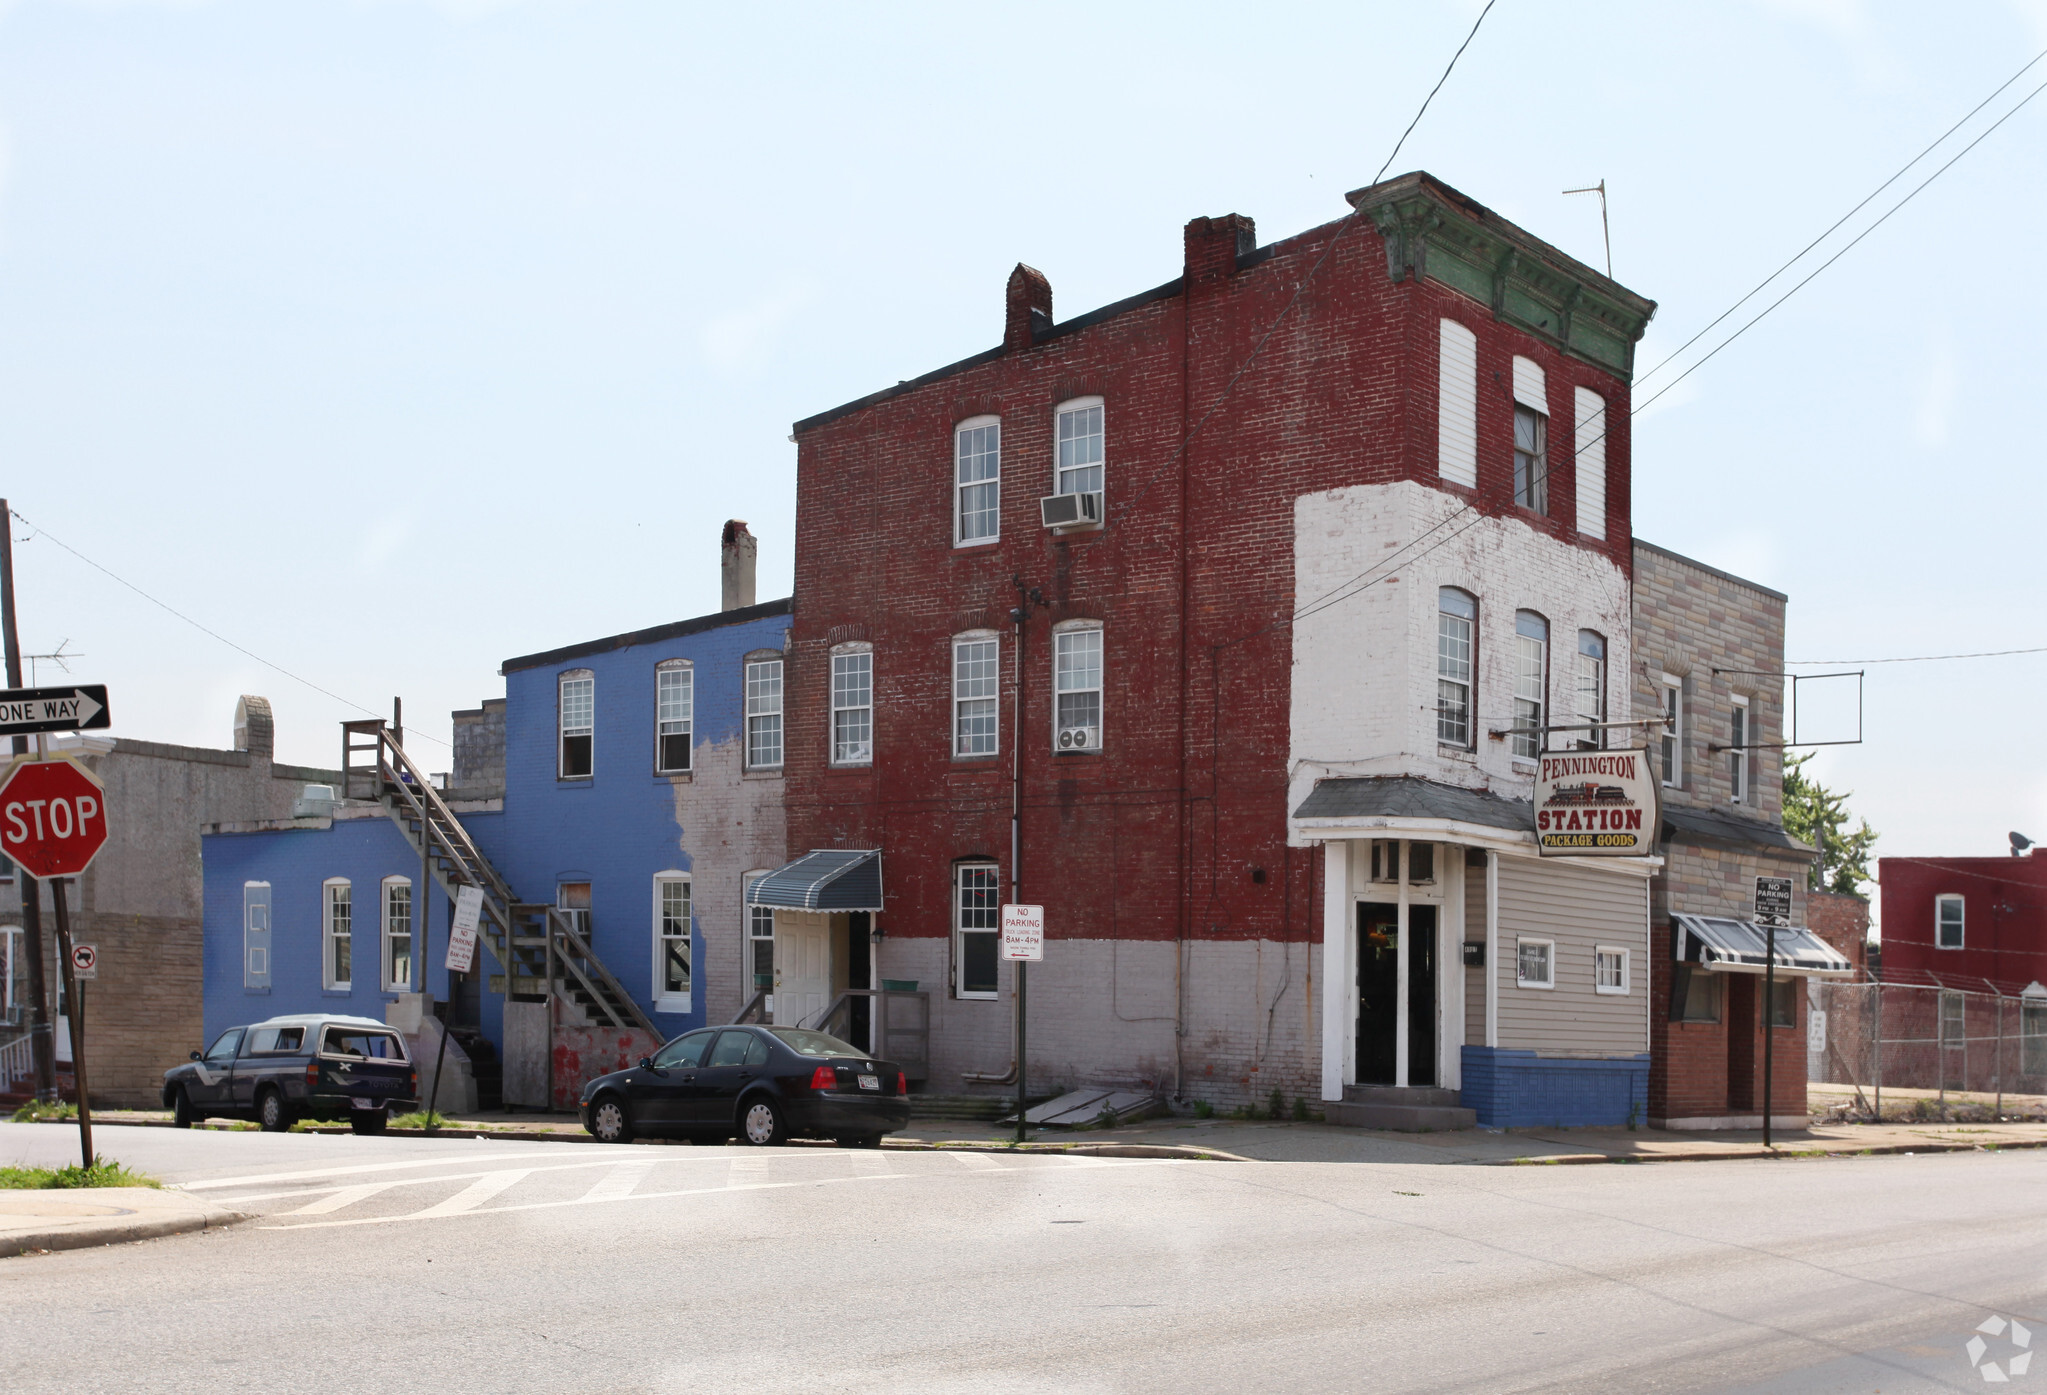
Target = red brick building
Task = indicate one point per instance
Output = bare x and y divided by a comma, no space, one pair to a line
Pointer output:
1145,651
1971,923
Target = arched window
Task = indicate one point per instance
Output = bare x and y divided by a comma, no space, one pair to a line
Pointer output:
577,711
675,704
1080,440
1531,682
1456,633
397,956
1457,404
1531,436
1591,690
977,480
853,704
976,693
1591,457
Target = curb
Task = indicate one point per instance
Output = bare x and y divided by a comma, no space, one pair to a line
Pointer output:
121,1233
1781,1154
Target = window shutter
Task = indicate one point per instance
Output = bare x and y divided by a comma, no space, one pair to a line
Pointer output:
1457,405
1591,463
1529,388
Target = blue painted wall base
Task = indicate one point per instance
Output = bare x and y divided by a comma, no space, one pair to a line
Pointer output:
1519,1089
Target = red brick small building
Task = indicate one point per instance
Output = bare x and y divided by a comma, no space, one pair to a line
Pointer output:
1972,923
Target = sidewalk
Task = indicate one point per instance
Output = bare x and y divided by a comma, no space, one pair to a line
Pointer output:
89,1216
1278,1141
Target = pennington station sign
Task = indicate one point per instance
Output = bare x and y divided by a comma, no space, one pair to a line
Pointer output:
1596,804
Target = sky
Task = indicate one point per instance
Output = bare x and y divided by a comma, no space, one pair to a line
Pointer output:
389,339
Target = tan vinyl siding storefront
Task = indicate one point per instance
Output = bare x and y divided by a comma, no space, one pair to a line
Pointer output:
1579,909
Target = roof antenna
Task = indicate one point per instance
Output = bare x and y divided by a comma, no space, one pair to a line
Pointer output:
2019,843
1605,231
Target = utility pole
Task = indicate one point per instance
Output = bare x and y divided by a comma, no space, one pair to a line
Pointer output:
41,1044
1025,596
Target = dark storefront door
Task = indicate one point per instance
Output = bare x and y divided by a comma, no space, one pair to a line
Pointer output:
1378,991
1421,995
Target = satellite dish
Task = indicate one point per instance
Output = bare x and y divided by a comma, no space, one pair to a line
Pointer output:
2019,843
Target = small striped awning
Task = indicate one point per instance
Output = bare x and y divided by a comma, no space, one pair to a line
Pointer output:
1742,946
827,879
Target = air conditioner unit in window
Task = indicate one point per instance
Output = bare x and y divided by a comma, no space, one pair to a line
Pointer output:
1079,739
1071,510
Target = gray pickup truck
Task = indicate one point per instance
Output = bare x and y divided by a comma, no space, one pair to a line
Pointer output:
314,1066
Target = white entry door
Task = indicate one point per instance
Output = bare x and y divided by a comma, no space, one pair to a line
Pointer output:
803,972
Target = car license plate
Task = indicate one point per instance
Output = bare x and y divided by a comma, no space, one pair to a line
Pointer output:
870,1082
360,1103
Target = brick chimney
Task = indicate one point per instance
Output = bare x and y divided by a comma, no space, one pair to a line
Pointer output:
254,730
1214,244
735,566
1028,305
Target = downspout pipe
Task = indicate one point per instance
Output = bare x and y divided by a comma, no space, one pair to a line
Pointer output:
1017,615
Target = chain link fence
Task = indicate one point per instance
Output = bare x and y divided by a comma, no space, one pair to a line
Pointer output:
1912,1039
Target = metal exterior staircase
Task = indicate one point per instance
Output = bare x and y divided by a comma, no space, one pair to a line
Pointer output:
540,949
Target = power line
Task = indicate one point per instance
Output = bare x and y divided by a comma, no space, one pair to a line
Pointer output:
1917,658
42,532
1671,357
1434,90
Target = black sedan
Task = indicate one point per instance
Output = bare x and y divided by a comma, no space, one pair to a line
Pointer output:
764,1085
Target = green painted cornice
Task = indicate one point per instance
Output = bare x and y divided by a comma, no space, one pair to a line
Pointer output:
1432,230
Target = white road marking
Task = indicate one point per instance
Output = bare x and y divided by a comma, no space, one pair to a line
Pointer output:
473,1195
870,1164
611,1160
618,1184
340,1197
748,1170
974,1162
356,1169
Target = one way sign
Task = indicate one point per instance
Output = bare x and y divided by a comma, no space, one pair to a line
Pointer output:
79,708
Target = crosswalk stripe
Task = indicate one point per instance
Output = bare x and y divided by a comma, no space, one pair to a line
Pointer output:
618,1183
475,1194
869,1164
340,1197
974,1162
748,1171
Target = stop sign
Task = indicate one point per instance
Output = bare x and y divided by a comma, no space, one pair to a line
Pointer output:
53,816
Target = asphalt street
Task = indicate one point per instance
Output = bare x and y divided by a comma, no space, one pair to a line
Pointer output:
458,1265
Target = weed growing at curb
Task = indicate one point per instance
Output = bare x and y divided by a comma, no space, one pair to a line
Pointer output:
1203,1109
34,1113
102,1173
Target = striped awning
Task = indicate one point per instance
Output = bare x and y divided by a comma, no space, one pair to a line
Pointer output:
1742,946
827,879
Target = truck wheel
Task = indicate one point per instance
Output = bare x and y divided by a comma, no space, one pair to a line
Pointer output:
369,1121
271,1112
183,1116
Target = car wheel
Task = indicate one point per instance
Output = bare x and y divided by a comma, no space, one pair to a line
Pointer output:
183,1116
858,1140
610,1122
368,1120
761,1123
271,1112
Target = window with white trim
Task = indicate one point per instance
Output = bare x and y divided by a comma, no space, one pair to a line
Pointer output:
760,939
1671,737
977,480
976,691
1077,689
1457,404
764,714
1079,436
1531,682
1738,739
256,935
577,709
1535,963
672,941
1456,627
1531,436
1609,969
977,928
1591,471
397,955
1947,922
337,936
1591,691
675,706
853,705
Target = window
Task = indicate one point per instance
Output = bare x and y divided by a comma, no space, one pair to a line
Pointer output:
976,660
1385,860
1531,436
1079,468
675,702
764,714
256,936
1737,751
1784,1002
336,956
1591,463
2033,1038
1947,922
1609,969
222,1052
1531,681
1694,995
1672,741
1077,689
578,709
1591,688
397,935
760,939
1535,963
266,1041
1421,864
977,928
977,480
853,707
1954,1022
8,935
684,1053
1456,619
1457,404
672,926
572,899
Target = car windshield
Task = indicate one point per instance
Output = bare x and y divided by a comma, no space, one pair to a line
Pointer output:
807,1043
377,1046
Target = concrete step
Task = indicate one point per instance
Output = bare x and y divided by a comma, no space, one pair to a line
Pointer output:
1396,1094
1415,1109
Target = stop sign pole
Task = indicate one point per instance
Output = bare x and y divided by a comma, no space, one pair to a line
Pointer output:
53,823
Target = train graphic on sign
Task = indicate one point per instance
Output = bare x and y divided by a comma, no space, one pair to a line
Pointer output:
1588,793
